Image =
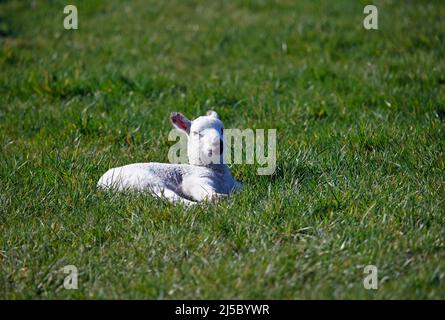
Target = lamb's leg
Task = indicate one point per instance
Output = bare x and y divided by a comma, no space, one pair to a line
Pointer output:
200,193
173,197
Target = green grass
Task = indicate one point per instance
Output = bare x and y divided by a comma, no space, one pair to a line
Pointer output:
360,127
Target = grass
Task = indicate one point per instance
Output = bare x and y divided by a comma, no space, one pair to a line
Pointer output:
360,127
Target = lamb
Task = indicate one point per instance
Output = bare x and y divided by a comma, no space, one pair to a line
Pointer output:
206,177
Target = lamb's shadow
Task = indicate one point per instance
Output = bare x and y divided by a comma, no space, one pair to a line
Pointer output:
288,175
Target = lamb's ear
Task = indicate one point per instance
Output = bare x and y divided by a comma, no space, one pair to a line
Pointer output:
180,122
212,113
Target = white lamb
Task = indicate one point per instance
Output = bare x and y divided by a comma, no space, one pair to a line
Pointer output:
206,177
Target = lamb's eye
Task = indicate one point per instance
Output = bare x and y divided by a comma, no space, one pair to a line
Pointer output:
195,133
201,135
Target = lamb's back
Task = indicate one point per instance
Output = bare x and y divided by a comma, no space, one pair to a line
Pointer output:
140,176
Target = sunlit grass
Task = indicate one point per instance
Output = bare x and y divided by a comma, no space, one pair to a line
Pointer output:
360,127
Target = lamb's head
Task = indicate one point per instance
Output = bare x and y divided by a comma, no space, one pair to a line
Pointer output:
205,144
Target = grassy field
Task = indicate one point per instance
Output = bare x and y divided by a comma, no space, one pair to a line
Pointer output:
360,130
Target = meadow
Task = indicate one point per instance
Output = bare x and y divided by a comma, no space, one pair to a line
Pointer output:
360,119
